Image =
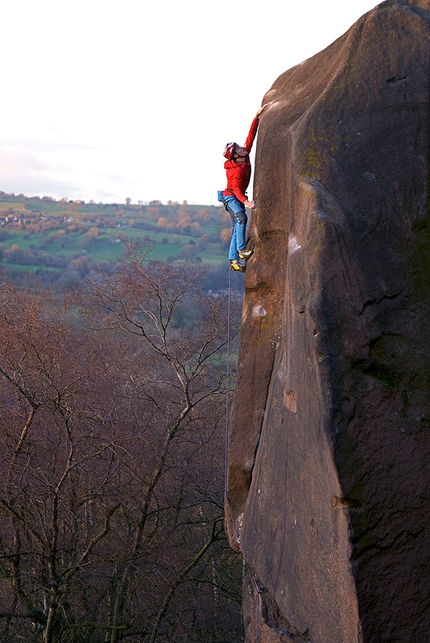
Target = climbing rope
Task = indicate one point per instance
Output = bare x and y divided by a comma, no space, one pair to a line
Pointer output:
227,412
227,502
258,606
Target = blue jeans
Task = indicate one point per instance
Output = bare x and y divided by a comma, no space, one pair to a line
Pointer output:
238,221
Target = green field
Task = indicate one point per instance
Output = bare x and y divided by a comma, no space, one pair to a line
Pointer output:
61,236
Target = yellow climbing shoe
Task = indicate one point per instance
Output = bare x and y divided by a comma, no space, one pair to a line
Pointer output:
237,267
245,254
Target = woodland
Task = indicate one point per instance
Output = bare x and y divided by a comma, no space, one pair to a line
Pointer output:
112,429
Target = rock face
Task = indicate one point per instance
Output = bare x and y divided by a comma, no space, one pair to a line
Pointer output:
328,479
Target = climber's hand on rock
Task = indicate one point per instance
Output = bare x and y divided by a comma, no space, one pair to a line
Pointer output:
261,110
250,204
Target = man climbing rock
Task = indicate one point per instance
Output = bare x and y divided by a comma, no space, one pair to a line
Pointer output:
238,170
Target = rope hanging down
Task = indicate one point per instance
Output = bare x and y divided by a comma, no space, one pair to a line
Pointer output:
227,502
227,411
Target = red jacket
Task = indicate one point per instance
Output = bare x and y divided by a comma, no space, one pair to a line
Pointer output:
239,174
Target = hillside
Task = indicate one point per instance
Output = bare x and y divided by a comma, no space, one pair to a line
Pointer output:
62,240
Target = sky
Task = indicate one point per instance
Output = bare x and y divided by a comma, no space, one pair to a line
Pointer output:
106,100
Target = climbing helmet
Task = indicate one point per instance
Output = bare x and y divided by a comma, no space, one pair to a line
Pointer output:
230,150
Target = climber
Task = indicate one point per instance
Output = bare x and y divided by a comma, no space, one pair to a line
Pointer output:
238,169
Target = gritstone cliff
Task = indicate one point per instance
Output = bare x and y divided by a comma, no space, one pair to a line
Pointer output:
328,478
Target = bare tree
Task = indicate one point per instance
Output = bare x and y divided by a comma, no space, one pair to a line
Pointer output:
184,390
111,437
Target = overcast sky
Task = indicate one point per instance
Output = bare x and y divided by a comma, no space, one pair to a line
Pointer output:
109,99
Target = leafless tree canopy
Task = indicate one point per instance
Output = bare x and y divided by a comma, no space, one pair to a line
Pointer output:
112,412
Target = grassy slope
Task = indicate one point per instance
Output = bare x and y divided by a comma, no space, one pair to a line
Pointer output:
62,230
